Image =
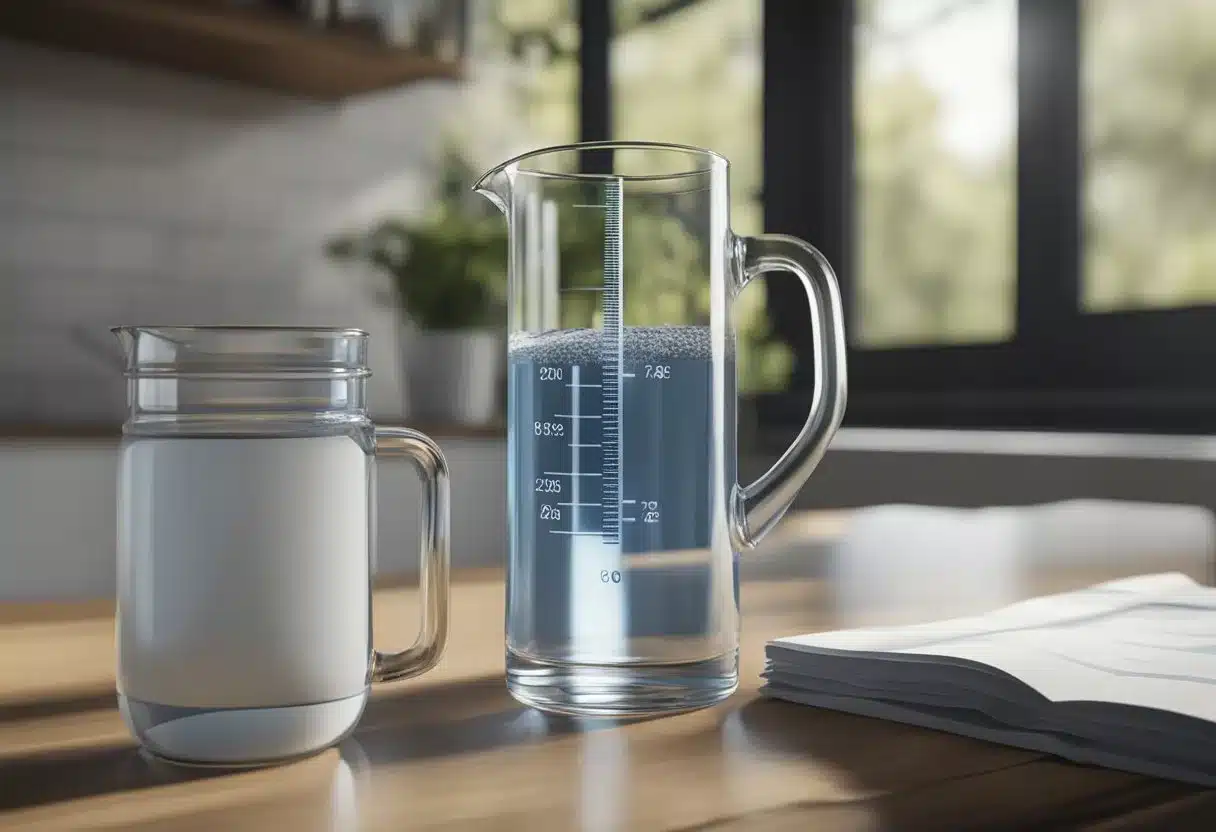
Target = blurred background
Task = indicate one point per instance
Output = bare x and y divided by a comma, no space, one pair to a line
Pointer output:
1018,196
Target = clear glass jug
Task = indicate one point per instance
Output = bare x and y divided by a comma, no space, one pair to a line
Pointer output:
246,539
625,513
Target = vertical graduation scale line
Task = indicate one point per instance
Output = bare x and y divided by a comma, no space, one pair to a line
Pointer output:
611,359
575,470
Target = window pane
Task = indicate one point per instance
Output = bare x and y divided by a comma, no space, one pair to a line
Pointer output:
1149,74
935,117
691,73
524,91
693,76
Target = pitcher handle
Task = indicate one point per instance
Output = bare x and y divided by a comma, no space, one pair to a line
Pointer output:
756,508
436,558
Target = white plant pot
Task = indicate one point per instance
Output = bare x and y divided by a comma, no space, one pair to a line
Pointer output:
453,377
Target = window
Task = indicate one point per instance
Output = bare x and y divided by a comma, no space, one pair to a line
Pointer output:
691,73
934,116
1149,74
1016,195
524,90
693,76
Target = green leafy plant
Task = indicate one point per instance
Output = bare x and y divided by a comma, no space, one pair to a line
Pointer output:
447,272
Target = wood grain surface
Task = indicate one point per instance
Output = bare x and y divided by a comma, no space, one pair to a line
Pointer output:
452,751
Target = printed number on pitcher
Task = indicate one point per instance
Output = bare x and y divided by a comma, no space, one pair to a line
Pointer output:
658,371
548,486
548,429
613,577
550,373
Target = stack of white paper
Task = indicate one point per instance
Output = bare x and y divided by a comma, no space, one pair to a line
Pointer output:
1122,674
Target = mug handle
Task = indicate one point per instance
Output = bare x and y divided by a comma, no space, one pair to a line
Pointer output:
436,558
756,508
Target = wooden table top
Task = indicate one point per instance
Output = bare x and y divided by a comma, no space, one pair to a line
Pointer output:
452,751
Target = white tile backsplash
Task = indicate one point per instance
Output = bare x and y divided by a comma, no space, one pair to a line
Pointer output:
133,195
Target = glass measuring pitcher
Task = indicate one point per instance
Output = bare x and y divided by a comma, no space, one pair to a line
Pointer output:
246,538
625,513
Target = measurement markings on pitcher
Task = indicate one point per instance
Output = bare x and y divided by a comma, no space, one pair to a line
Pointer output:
574,437
570,512
612,373
600,430
648,511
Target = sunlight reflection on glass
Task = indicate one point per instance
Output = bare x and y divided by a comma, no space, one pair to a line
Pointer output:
603,777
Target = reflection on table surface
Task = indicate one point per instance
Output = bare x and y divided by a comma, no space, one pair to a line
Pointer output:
453,751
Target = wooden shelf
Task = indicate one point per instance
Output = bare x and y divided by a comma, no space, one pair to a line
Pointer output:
254,47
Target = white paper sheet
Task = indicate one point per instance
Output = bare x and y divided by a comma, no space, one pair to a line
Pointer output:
1134,651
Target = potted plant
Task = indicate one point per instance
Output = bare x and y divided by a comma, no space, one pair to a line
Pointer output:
448,275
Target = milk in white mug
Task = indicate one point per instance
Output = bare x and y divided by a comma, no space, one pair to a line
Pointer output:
243,580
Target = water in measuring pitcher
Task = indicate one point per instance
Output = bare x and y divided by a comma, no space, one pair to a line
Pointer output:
243,621
622,583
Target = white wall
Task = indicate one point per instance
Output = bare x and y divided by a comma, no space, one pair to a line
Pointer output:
131,195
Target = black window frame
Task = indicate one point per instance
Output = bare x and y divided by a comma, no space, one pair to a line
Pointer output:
1063,369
